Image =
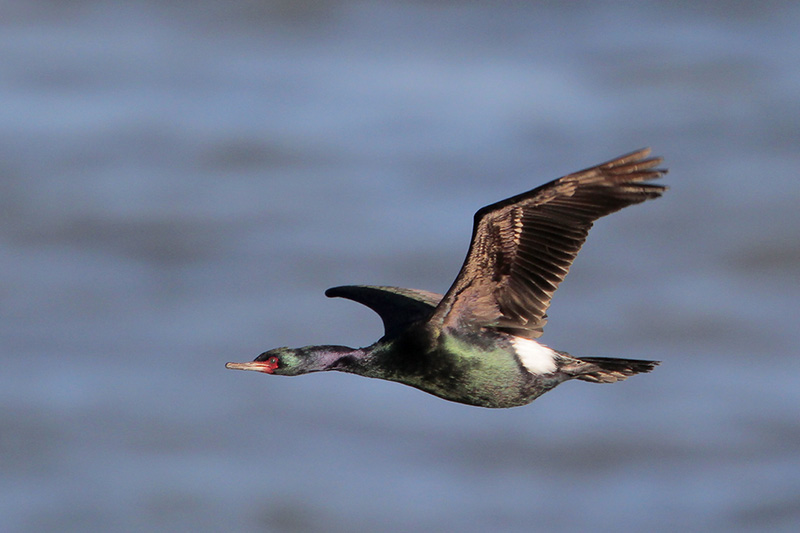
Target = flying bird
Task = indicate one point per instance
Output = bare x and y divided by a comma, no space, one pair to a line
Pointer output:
477,344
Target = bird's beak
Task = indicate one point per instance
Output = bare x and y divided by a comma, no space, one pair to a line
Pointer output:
258,366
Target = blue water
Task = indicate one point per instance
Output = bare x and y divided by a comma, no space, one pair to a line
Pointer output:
180,182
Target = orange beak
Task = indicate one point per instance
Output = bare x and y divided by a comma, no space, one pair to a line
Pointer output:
259,366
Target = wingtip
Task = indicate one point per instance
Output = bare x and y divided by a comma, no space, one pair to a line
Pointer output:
333,292
637,155
636,166
344,291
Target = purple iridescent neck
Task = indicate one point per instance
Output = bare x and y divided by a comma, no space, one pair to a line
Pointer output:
331,357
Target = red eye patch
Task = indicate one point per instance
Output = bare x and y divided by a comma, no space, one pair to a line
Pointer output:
271,364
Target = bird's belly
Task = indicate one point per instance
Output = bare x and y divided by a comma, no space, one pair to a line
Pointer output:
480,389
478,372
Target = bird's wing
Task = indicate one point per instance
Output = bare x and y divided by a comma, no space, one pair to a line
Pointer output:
397,307
523,247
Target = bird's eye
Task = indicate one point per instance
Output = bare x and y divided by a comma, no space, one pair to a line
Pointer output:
273,360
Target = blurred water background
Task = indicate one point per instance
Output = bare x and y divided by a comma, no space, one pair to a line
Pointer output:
181,181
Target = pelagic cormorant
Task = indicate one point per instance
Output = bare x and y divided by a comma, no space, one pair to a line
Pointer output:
476,344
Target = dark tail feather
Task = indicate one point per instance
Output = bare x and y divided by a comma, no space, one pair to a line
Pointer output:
611,370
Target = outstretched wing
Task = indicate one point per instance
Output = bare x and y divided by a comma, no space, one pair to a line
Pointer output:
397,307
523,247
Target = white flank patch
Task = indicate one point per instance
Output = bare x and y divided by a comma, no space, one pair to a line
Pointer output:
537,358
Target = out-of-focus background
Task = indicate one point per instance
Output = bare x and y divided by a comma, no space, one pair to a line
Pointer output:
181,181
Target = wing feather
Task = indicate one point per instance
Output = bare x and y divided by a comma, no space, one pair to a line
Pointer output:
397,307
523,247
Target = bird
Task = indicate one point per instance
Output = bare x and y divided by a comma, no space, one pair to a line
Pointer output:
476,345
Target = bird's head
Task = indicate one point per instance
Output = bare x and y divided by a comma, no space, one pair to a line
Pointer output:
296,361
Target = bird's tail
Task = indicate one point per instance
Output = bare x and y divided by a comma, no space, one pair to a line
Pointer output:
606,369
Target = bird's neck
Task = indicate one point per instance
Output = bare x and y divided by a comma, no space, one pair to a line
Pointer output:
368,361
333,357
383,360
